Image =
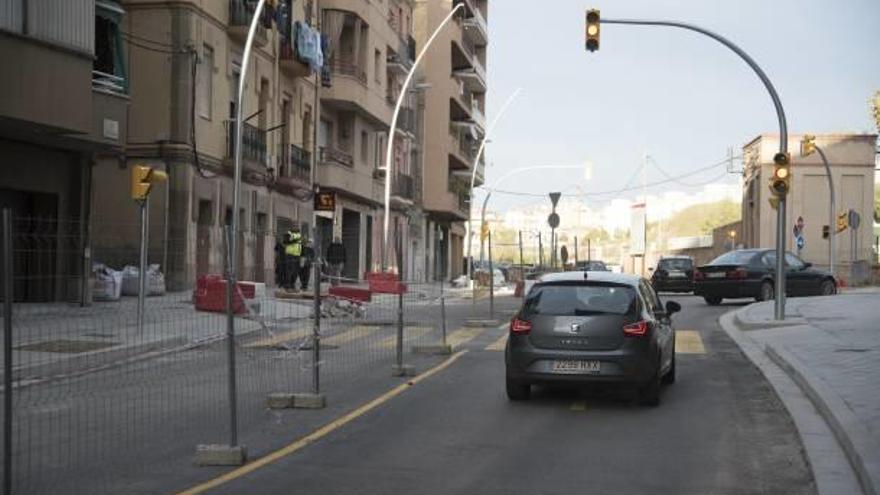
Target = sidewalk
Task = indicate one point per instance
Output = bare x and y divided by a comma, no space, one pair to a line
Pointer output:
830,347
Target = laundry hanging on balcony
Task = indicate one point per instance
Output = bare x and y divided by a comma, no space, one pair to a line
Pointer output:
308,46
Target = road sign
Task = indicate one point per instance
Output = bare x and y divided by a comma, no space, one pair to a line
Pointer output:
800,242
554,198
553,220
854,219
799,224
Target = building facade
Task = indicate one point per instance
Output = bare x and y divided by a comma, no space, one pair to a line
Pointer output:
455,73
63,117
851,159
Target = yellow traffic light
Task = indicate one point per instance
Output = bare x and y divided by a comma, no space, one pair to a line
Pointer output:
592,30
842,222
484,231
808,145
876,105
780,183
142,180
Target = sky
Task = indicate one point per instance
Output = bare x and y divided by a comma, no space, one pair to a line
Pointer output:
678,96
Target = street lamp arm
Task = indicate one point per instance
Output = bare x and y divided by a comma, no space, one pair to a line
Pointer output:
393,129
777,103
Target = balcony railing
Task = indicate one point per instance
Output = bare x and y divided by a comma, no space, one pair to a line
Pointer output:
241,12
406,121
297,163
253,143
333,155
464,202
403,186
349,68
108,82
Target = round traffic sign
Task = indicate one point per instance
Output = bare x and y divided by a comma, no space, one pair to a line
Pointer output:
801,242
854,219
553,220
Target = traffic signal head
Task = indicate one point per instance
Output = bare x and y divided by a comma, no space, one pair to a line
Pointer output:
808,145
142,180
876,104
826,232
592,30
780,183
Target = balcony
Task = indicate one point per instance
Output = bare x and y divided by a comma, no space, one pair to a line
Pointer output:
333,155
240,15
288,61
406,122
403,187
475,26
348,68
296,165
477,115
398,63
253,144
108,83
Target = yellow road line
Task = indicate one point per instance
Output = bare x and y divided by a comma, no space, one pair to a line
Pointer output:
578,406
463,336
689,342
350,335
279,338
409,334
320,432
499,344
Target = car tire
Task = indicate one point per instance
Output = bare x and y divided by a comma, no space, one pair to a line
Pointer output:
712,300
669,377
828,288
517,390
765,293
649,394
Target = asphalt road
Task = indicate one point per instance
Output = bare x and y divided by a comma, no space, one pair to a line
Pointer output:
719,429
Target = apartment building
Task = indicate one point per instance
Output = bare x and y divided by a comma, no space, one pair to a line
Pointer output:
371,51
63,115
455,72
184,61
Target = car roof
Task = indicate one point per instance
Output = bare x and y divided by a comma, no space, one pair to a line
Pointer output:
580,276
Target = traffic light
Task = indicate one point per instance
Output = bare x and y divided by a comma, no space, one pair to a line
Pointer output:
826,232
592,30
484,231
842,222
808,145
780,183
142,180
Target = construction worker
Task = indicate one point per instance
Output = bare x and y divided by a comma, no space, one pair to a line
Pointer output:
293,250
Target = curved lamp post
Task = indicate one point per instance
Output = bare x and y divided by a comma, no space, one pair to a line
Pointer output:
779,309
476,163
393,130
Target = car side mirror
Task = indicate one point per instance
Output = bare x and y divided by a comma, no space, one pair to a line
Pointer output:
807,264
650,268
672,307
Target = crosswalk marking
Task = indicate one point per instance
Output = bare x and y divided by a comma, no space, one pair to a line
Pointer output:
578,406
350,335
499,344
689,342
409,334
280,338
463,336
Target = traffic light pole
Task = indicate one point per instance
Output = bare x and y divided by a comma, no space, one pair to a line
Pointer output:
142,262
779,310
832,228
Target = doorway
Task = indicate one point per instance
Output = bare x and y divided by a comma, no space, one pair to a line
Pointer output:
351,240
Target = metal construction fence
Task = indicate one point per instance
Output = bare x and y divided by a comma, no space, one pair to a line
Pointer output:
96,404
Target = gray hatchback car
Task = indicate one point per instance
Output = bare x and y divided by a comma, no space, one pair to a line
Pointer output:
592,327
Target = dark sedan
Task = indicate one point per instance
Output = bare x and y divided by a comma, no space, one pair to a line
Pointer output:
592,327
752,273
674,274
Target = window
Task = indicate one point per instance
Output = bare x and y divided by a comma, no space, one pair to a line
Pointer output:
380,150
793,262
734,258
378,68
108,66
579,299
651,298
681,264
365,146
205,82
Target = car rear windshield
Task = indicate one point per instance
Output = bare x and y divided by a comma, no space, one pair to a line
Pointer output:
676,264
580,299
734,258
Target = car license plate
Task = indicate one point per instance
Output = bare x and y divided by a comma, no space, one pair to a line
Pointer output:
575,367
715,275
676,274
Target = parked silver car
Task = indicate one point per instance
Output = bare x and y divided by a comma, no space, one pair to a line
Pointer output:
592,327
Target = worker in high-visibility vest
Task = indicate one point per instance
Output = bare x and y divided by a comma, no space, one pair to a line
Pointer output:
293,250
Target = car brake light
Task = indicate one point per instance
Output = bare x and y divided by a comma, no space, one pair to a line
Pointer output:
739,273
637,329
698,275
521,327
